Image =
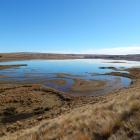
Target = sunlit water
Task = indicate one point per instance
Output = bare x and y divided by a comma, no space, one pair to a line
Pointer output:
38,71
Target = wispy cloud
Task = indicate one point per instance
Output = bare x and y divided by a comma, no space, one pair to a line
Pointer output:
115,50
112,51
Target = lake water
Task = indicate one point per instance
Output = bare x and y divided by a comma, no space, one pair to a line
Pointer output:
40,71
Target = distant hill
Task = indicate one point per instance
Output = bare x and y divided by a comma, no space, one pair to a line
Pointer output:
29,56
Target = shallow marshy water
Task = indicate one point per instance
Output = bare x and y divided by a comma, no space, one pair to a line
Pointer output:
62,74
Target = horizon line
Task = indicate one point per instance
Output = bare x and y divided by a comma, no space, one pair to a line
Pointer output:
31,52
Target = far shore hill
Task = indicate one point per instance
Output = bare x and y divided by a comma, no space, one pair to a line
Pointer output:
30,56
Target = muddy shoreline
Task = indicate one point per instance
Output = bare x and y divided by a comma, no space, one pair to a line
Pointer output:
71,84
81,85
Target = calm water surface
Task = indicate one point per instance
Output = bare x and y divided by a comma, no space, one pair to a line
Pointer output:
38,71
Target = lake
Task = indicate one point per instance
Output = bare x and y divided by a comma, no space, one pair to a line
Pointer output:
61,74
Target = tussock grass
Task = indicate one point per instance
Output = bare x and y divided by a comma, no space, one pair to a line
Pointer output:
117,118
99,121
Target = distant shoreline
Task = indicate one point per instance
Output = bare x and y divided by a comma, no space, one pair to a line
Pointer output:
45,56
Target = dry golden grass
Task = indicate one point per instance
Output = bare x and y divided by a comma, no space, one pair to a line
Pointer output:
116,118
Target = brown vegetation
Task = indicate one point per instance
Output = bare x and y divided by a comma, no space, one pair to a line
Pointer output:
27,56
116,117
58,82
87,85
11,66
23,105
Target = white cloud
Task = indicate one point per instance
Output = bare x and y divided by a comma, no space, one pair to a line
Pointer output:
112,51
115,50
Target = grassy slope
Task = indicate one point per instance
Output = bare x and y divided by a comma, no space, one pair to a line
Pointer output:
116,118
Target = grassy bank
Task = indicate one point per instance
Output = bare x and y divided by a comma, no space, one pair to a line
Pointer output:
114,118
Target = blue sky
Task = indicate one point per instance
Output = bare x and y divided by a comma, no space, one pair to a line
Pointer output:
70,26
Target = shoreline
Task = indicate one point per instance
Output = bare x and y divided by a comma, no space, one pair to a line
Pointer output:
2,67
73,85
47,56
